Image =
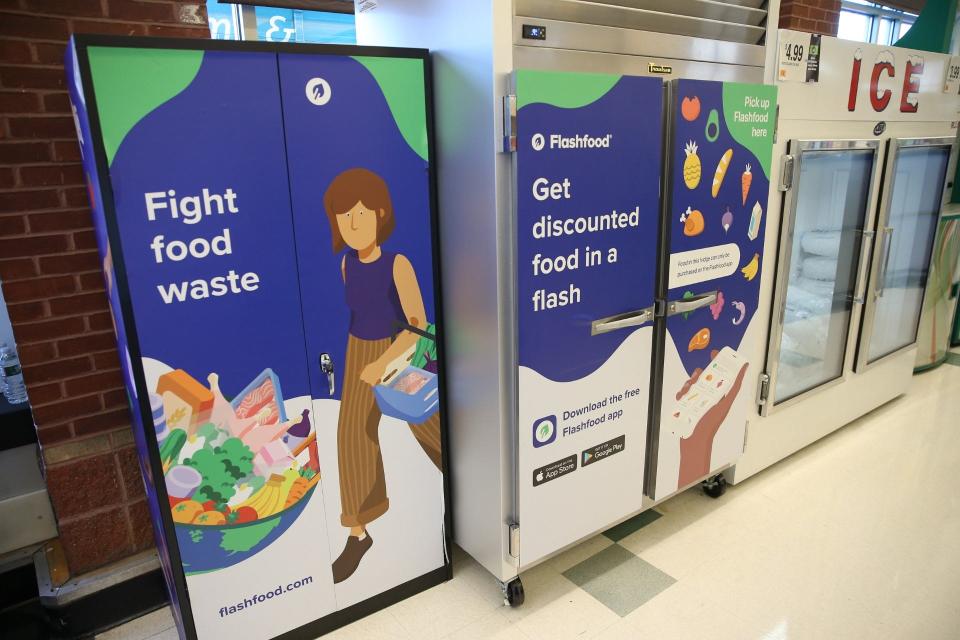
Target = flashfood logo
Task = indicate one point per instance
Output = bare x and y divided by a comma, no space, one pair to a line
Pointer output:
318,91
579,141
544,431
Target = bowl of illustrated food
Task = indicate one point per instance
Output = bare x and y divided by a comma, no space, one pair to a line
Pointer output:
238,473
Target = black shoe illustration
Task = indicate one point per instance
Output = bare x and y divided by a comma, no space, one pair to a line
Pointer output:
350,557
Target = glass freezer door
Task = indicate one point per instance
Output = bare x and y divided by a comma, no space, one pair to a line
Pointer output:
824,243
906,225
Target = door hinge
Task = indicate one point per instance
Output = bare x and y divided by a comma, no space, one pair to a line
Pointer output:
509,123
659,308
763,389
514,541
786,172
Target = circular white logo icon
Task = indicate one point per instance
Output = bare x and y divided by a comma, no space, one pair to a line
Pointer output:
537,141
544,431
318,91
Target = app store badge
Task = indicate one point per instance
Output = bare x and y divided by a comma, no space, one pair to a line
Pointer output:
554,470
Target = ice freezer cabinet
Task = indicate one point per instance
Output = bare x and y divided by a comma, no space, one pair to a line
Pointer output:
266,227
837,252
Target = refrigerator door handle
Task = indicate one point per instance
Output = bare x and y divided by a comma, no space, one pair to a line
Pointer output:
691,304
326,366
884,262
859,291
622,321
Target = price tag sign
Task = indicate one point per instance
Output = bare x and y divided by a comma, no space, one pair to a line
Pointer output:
798,57
951,84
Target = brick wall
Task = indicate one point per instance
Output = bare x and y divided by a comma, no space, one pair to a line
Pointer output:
813,16
50,272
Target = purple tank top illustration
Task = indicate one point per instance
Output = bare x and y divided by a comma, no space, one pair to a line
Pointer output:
372,297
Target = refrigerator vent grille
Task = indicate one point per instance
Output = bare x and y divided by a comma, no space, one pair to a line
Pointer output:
740,21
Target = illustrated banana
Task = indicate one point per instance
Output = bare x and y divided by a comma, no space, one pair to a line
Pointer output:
750,271
268,499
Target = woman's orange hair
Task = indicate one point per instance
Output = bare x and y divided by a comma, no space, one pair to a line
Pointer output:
363,186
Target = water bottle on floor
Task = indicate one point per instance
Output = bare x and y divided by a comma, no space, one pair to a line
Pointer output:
15,391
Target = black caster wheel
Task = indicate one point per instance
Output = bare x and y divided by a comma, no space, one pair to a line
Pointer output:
715,486
513,593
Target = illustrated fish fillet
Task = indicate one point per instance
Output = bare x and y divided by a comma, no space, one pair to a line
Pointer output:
262,396
410,383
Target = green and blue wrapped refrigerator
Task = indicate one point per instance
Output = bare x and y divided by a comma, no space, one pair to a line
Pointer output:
266,222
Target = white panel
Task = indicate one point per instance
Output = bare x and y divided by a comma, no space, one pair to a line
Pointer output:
830,98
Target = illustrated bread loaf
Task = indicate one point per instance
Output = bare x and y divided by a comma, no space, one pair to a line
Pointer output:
186,402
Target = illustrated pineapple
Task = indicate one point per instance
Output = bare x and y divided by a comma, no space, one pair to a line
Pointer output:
691,166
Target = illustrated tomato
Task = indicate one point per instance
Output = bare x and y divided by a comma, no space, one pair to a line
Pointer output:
209,505
690,108
175,501
245,514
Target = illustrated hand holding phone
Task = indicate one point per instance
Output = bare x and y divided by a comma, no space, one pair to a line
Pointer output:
701,407
706,389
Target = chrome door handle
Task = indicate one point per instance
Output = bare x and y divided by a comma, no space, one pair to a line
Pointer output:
691,304
326,366
884,262
860,289
622,321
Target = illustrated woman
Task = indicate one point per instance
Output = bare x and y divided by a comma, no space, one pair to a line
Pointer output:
382,294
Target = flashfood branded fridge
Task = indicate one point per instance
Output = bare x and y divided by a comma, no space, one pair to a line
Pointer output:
266,226
603,231
864,148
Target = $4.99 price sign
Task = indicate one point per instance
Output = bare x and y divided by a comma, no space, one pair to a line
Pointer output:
796,53
793,52
951,83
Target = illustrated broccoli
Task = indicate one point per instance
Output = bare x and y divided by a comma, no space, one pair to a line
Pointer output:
221,467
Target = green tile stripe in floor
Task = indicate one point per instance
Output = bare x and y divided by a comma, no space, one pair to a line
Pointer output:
625,528
619,579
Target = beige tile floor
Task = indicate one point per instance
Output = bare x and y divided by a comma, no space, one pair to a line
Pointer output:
857,536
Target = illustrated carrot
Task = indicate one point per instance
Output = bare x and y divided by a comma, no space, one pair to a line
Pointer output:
300,486
745,181
721,171
297,489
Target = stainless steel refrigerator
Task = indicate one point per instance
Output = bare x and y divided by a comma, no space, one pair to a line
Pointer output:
583,382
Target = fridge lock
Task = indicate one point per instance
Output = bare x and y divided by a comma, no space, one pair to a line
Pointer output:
763,391
326,366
